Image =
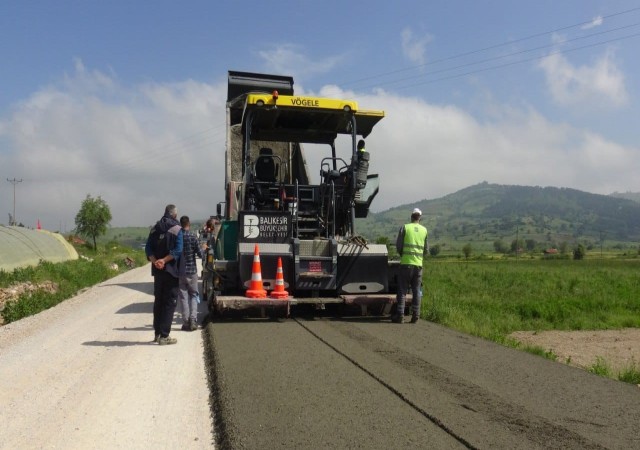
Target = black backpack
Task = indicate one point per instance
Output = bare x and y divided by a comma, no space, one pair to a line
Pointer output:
159,242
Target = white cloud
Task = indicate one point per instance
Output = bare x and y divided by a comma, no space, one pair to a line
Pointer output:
139,148
596,22
414,48
84,80
143,146
424,151
600,84
292,59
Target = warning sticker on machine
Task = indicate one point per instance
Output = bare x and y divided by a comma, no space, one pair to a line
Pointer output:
266,227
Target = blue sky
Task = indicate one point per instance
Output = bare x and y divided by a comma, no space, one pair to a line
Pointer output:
126,99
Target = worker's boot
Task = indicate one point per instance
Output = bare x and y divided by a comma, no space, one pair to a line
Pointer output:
167,341
397,318
414,318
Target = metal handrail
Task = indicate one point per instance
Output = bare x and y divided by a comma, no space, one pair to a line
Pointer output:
295,210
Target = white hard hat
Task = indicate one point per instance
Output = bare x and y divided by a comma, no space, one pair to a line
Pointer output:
416,211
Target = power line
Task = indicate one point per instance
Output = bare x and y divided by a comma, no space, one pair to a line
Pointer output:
520,52
197,141
500,66
165,151
200,139
491,47
118,169
183,145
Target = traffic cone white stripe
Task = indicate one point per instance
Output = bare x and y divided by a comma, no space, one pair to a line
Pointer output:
279,292
256,288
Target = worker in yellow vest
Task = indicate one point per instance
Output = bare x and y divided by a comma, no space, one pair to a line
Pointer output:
413,245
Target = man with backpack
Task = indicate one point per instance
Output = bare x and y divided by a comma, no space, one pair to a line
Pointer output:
163,249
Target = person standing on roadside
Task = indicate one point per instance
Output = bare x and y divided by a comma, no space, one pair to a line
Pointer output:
188,281
163,249
413,245
208,234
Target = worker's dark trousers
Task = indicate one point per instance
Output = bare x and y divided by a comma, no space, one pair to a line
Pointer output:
409,277
165,292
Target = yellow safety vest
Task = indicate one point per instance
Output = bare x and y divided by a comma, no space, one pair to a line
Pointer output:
413,247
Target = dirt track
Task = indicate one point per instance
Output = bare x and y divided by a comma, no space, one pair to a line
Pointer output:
620,349
371,384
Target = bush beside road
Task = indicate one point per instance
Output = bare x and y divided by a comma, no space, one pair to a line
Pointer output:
28,290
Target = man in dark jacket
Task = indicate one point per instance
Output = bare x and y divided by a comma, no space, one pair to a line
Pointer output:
163,249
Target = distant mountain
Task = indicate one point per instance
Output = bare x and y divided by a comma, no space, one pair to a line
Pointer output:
486,212
635,196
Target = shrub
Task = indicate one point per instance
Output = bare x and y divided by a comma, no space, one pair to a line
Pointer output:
69,276
600,367
630,374
579,252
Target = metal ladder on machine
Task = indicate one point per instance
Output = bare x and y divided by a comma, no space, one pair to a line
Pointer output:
306,216
316,256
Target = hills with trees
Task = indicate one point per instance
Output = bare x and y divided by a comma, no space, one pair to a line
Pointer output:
493,218
635,196
507,218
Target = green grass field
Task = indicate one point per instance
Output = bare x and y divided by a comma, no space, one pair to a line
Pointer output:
493,298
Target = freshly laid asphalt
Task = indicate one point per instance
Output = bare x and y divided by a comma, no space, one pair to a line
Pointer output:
367,383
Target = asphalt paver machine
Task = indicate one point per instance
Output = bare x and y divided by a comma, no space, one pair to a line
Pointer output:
272,203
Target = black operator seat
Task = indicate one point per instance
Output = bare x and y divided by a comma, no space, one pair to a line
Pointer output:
266,167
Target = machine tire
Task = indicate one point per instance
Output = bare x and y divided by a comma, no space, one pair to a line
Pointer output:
209,295
212,305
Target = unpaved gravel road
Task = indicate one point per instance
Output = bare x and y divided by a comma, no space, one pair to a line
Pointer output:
84,375
371,384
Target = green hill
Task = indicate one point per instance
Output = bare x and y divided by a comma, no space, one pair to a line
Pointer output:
485,213
546,217
135,237
635,196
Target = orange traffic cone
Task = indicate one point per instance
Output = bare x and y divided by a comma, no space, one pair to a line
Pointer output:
279,292
256,289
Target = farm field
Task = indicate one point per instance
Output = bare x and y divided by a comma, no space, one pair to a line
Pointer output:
495,299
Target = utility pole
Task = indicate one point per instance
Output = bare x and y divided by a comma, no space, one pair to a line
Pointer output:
517,241
14,182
